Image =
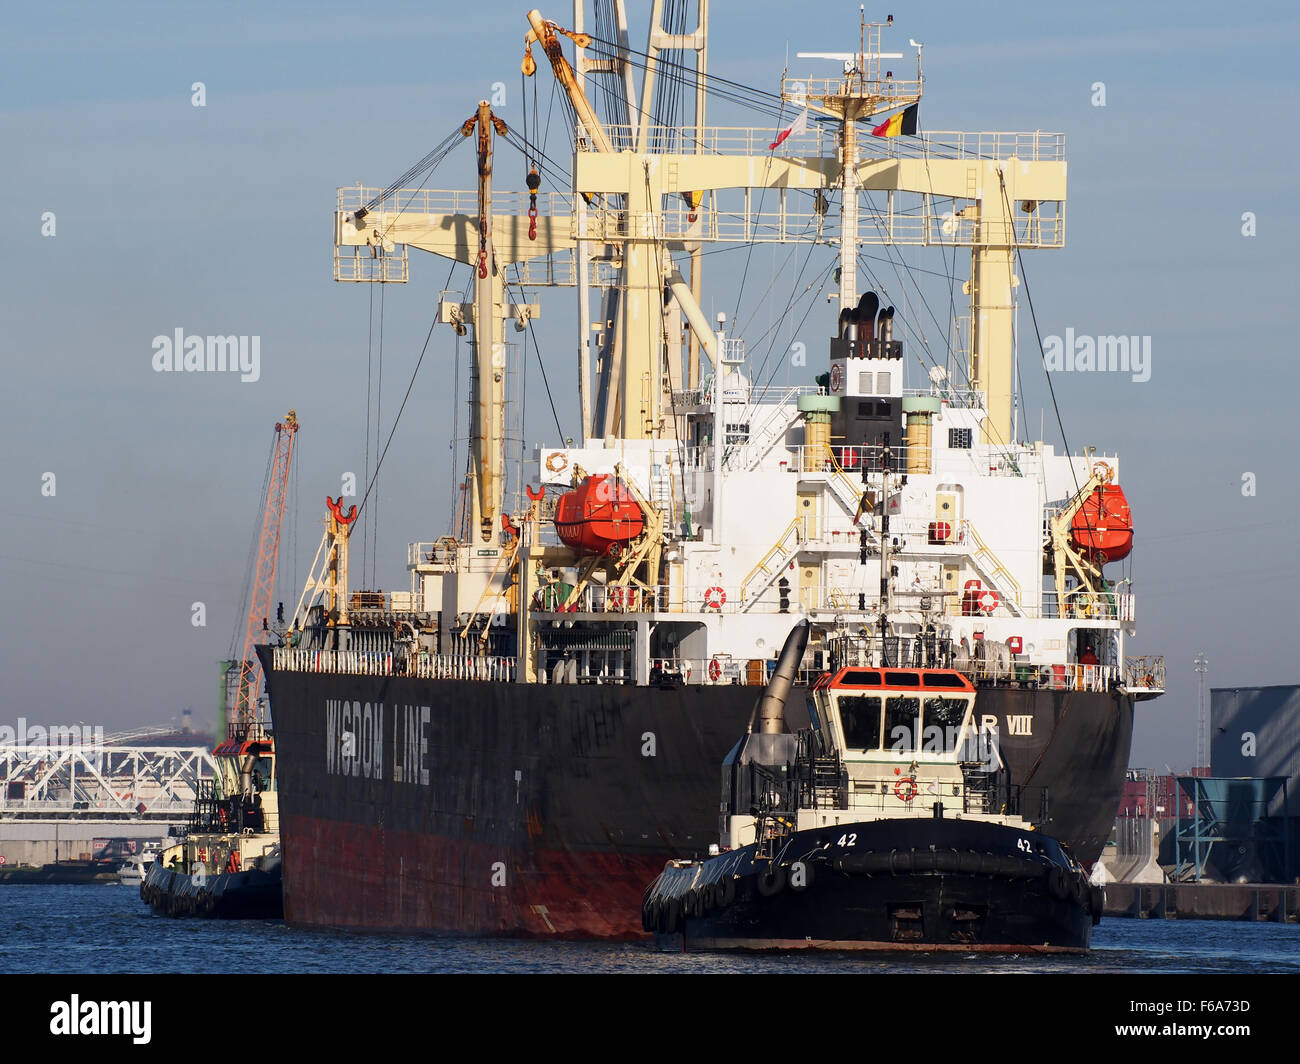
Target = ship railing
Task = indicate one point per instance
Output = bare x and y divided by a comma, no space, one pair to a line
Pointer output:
758,395
437,554
965,398
838,458
1146,672
403,204
720,670
421,665
980,791
725,599
822,138
1054,676
1099,606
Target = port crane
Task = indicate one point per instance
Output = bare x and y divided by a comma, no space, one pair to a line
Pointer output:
244,711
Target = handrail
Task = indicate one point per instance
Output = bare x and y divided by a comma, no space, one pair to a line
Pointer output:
998,568
779,547
374,663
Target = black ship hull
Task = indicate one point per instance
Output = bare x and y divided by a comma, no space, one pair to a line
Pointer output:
901,884
497,808
252,894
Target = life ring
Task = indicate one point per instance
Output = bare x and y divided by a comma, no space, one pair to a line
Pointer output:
715,670
988,600
1104,471
906,794
715,598
557,461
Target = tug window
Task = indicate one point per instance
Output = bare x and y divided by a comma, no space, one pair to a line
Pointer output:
945,712
860,716
901,722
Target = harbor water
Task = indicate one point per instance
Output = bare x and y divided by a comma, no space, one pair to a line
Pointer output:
101,929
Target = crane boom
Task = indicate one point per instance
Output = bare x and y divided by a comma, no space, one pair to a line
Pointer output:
244,711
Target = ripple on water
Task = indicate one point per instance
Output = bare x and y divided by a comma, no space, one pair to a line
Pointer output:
94,929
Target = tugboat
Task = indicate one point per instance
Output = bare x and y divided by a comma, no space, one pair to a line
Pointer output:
887,823
228,863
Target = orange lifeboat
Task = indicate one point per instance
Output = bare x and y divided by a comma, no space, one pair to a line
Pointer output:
1102,529
598,515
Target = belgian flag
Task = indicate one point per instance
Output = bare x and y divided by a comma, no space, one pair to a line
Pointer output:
902,123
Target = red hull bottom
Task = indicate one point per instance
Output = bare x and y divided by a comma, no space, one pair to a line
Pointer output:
379,879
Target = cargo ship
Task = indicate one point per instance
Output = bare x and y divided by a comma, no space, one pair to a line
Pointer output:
515,743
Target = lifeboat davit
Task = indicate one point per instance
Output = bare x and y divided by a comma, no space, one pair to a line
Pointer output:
1102,529
598,515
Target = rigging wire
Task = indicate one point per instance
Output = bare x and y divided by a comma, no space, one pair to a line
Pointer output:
429,162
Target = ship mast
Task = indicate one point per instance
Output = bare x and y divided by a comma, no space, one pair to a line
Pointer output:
858,94
487,381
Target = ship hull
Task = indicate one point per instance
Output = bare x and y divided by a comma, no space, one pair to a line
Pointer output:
252,894
912,883
502,809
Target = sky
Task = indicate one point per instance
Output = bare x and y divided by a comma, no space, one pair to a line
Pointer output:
217,220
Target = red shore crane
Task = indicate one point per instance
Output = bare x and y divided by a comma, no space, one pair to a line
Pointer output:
244,711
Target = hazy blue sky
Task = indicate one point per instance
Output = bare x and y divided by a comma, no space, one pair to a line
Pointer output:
218,220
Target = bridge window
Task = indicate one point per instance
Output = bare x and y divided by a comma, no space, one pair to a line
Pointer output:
945,712
902,718
860,716
860,678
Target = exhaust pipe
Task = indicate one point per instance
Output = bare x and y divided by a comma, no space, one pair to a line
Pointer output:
770,708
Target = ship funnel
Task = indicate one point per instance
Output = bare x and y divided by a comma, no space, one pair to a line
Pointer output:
771,705
848,327
867,307
886,331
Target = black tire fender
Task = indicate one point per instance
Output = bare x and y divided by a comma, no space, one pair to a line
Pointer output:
725,892
771,882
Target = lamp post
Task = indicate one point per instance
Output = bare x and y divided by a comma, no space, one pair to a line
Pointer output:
1202,664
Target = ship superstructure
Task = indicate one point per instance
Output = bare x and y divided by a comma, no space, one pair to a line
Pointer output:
660,556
